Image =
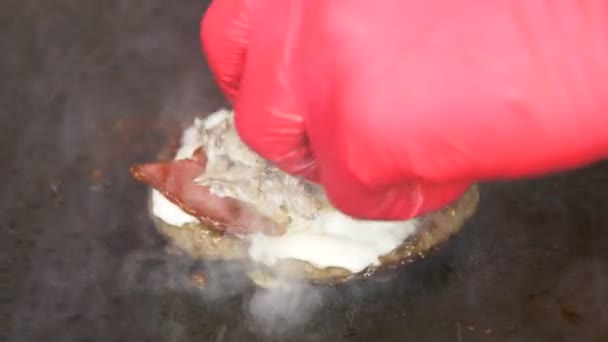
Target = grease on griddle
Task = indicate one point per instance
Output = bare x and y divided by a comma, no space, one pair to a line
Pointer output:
571,315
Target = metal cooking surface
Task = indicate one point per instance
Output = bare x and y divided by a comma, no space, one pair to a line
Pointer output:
89,87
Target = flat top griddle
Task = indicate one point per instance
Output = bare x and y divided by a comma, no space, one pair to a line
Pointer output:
90,87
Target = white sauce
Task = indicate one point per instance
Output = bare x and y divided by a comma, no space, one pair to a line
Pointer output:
317,233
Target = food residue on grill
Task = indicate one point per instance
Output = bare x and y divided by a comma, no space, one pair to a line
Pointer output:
97,180
198,280
97,176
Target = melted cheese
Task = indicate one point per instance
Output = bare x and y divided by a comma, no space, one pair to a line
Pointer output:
317,233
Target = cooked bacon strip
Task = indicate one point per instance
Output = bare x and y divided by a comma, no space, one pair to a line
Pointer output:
200,157
175,180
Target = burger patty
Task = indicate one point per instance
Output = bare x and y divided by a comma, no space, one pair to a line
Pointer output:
243,208
201,242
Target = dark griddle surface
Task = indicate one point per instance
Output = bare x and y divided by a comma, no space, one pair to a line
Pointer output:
89,87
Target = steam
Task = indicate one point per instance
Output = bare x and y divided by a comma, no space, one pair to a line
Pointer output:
275,311
285,308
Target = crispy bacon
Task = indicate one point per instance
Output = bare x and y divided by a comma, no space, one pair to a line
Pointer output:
200,157
175,180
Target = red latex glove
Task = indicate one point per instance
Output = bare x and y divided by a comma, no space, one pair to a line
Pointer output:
395,107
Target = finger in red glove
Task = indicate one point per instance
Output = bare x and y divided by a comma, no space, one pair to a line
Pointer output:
225,37
267,116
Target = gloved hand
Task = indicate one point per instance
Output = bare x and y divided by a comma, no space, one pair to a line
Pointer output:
396,107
